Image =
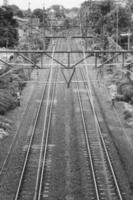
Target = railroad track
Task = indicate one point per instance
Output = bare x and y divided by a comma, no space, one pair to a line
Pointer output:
105,183
40,142
34,154
35,175
26,115
31,178
34,145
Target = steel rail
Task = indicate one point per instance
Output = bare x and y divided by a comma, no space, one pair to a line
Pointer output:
100,132
87,142
105,149
88,145
89,92
99,128
14,139
30,144
46,141
29,147
43,136
45,149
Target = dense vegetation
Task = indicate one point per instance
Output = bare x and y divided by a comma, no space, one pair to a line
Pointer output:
58,17
103,18
33,38
106,17
8,28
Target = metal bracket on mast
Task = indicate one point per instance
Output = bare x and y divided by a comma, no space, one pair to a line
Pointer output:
6,63
68,83
69,66
29,60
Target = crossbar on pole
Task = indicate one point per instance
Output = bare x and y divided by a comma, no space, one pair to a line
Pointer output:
72,51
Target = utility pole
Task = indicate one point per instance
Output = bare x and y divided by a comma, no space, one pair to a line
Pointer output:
81,23
117,27
130,25
129,34
29,29
117,2
29,36
43,27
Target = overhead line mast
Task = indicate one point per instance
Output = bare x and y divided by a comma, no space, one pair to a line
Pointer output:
43,25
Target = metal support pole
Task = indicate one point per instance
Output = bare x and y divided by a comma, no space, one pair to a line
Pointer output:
30,38
96,60
117,29
68,84
41,60
129,39
68,55
43,29
123,60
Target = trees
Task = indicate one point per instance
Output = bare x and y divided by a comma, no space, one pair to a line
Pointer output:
124,18
16,11
42,15
66,23
106,17
58,10
8,28
38,13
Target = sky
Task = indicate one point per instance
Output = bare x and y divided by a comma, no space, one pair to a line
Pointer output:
23,4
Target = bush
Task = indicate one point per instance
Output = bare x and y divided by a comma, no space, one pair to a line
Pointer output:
7,101
127,114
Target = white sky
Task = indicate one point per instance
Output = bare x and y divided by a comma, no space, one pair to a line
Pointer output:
23,4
